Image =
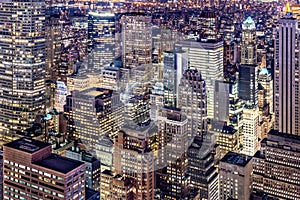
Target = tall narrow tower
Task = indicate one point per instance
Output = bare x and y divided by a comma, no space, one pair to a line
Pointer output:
22,64
286,75
248,69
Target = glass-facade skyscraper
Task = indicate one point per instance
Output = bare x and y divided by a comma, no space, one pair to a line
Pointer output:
101,37
22,64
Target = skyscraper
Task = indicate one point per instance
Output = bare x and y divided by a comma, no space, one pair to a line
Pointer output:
192,101
136,39
172,162
248,69
22,64
174,62
207,57
101,38
286,87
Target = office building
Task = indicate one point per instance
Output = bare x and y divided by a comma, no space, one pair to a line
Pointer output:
101,38
221,109
174,64
201,167
172,164
22,62
94,112
156,101
250,135
115,186
235,177
207,24
227,137
134,159
248,70
286,83
104,152
265,102
31,171
192,101
276,167
92,166
136,39
206,57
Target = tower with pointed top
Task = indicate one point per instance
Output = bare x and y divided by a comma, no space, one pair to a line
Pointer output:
248,68
286,75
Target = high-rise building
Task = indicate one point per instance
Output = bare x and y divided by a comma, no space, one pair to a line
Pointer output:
201,167
265,102
235,177
94,112
115,186
31,171
221,109
172,164
207,23
192,101
22,62
286,81
206,57
248,71
136,39
134,159
227,137
92,166
276,167
174,63
250,136
101,38
248,45
156,101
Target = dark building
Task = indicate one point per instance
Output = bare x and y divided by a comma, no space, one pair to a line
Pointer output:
248,83
203,174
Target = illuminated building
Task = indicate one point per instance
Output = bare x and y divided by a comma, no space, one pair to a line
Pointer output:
134,159
101,38
227,137
22,62
276,168
201,167
110,78
114,186
136,39
265,102
104,152
207,23
174,63
173,179
207,57
250,140
192,101
248,70
31,171
156,100
94,112
286,81
92,166
235,176
53,45
137,110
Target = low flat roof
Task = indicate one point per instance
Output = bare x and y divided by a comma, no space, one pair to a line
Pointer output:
28,145
59,163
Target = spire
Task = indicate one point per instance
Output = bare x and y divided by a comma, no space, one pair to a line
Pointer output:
287,8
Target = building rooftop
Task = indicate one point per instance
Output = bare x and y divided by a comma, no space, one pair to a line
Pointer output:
59,163
236,159
27,145
221,127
